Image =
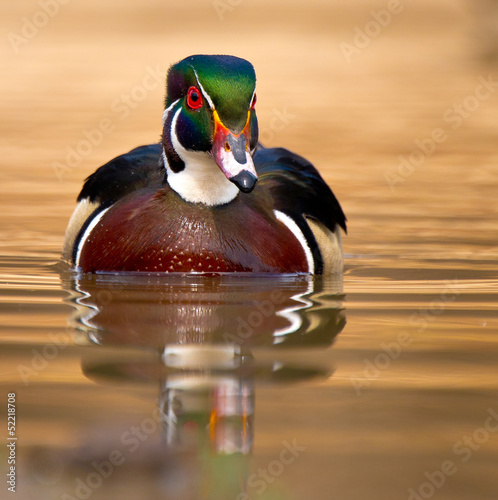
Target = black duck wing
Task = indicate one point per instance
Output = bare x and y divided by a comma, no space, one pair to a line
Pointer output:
297,188
298,192
141,167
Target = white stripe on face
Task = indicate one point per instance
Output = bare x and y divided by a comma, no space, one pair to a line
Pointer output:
167,111
201,181
204,93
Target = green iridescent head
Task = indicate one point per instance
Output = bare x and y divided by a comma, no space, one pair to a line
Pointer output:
228,83
210,108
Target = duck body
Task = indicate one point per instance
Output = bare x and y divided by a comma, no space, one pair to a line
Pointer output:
226,206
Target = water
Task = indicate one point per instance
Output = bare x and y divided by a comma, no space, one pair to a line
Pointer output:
379,385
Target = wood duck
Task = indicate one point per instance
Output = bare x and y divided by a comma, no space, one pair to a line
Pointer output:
208,198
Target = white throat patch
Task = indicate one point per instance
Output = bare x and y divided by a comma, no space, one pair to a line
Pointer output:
201,181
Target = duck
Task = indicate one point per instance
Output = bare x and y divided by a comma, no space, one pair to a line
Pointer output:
208,197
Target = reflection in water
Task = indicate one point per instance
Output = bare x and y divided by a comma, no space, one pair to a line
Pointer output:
205,343
248,311
406,240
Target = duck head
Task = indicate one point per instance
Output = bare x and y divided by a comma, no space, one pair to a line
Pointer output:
210,129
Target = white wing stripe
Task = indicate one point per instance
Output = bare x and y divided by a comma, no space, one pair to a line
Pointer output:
86,234
294,229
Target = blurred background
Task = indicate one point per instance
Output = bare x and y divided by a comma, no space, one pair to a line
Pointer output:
350,86
396,104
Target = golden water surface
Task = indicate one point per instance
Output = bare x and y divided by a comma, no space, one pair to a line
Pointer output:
382,386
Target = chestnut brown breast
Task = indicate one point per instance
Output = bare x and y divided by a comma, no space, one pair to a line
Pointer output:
157,231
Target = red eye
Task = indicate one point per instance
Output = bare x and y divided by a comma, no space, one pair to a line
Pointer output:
253,103
194,98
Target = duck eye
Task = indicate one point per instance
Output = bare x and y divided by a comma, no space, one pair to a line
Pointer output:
253,103
194,98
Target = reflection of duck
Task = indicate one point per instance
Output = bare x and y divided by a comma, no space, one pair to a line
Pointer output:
249,311
177,207
207,399
207,343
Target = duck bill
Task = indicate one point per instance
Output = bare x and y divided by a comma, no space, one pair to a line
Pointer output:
231,153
